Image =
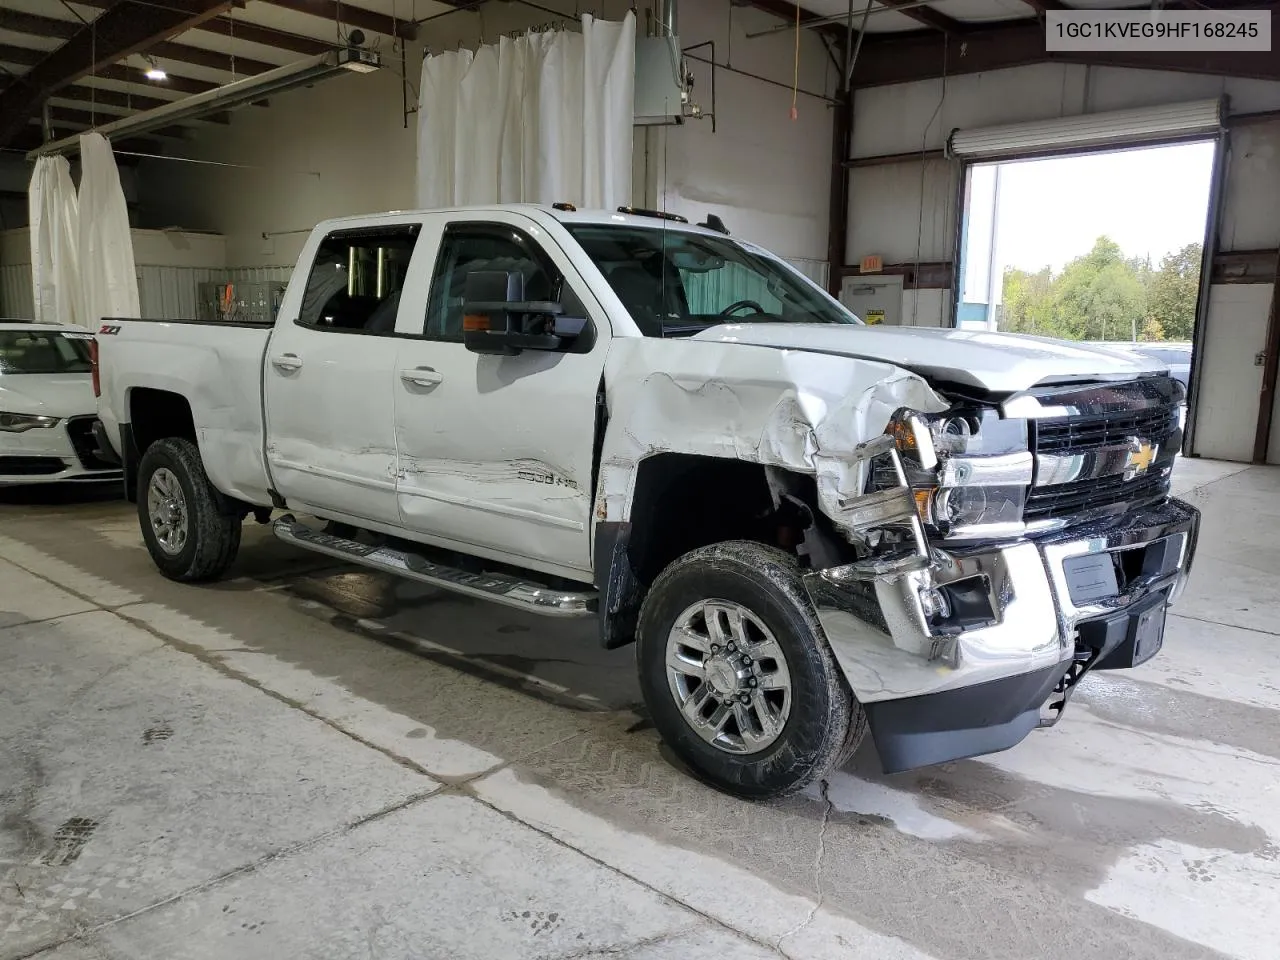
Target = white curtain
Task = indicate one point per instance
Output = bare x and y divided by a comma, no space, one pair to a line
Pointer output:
108,277
55,231
543,118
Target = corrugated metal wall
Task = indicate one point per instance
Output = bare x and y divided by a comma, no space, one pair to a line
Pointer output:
162,291
174,291
17,298
815,270
171,291
259,274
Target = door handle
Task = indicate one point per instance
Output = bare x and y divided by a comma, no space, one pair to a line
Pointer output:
287,361
422,376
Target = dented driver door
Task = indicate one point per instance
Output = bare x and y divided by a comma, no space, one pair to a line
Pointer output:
496,453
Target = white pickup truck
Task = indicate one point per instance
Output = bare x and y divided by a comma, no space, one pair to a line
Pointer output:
810,527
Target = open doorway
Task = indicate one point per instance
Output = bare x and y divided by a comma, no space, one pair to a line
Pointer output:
1104,247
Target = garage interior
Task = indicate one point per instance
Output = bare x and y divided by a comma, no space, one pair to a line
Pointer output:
310,759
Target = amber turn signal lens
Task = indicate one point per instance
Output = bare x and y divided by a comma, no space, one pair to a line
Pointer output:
923,499
475,322
903,435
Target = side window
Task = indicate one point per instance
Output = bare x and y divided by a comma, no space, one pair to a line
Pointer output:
356,278
469,247
711,291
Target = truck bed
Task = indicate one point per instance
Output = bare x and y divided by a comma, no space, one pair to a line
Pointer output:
216,367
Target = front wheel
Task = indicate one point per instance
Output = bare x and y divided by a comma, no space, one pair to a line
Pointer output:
189,536
737,675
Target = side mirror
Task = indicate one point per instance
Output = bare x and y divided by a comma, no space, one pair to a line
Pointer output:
498,320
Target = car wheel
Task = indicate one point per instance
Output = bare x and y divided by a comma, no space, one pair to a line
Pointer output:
737,673
188,534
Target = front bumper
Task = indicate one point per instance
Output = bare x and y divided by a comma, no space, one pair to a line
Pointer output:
63,453
1026,621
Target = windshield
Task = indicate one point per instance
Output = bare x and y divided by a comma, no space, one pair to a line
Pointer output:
37,351
675,283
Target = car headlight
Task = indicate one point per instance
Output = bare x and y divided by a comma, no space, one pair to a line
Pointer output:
22,422
967,468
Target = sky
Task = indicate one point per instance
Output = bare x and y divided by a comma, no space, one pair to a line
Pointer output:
1150,201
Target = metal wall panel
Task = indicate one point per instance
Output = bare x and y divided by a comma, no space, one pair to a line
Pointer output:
17,296
171,291
815,270
175,291
257,274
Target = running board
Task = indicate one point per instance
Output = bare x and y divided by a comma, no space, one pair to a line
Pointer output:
498,588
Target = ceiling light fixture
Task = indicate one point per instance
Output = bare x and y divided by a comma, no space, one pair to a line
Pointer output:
303,73
154,71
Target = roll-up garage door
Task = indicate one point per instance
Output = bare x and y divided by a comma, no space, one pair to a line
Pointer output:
1116,128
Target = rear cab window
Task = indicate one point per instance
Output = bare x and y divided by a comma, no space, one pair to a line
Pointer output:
356,279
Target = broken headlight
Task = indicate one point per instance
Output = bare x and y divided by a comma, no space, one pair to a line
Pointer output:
968,470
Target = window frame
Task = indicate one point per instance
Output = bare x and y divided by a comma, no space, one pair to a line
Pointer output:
412,231
546,262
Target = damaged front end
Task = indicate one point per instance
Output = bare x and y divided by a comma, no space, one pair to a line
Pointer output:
972,611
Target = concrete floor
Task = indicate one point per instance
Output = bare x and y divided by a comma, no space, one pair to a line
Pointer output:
307,761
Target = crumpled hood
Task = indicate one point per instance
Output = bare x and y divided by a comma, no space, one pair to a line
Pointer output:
999,362
49,395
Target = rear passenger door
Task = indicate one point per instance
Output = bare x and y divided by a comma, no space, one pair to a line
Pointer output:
496,453
329,377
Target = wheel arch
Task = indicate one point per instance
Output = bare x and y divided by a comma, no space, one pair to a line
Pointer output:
153,414
680,502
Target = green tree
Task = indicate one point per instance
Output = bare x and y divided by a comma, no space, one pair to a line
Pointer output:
1151,330
1026,301
1174,290
1103,295
1099,296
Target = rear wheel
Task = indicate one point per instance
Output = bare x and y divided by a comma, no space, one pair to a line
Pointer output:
737,675
189,536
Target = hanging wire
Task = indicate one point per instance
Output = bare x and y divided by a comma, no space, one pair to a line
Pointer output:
924,165
93,73
795,77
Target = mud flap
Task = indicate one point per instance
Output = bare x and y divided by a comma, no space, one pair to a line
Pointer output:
620,590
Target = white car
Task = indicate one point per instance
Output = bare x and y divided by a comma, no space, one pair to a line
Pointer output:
47,407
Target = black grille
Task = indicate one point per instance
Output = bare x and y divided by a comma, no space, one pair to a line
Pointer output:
1091,496
1080,434
80,429
30,466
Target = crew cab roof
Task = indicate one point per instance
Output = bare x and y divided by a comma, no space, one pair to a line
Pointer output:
568,217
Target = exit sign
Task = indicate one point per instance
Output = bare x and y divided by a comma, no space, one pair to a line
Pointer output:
872,264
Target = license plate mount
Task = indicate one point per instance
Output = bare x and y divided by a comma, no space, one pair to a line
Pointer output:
1148,633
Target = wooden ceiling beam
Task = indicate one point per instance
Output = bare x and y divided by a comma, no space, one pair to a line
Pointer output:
350,16
37,26
232,26
930,17
26,57
926,55
126,28
786,12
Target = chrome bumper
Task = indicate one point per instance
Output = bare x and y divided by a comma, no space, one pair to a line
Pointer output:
890,649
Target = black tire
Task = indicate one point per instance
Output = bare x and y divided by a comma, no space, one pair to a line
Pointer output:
826,723
213,535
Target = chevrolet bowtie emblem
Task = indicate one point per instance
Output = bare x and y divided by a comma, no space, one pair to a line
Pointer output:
1141,456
